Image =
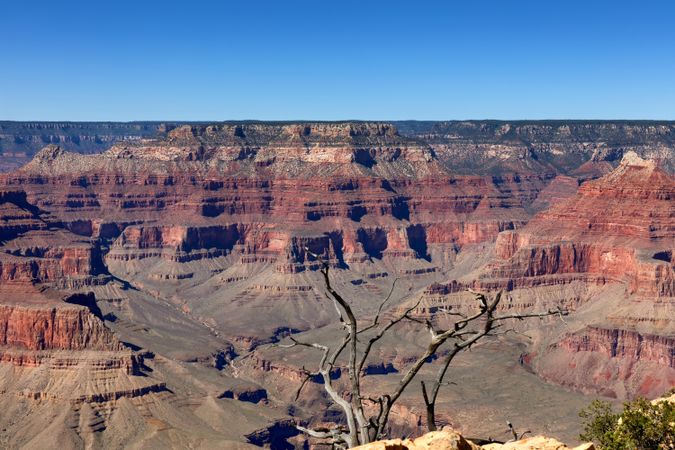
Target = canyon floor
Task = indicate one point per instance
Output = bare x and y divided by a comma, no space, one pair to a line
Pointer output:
144,288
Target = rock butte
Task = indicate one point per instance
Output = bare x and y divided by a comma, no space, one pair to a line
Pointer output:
131,278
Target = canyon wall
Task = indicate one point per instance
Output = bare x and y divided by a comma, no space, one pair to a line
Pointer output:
19,141
53,328
471,146
186,248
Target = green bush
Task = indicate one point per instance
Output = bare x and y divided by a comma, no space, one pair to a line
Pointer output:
640,426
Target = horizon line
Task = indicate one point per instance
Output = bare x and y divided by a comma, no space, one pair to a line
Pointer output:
244,121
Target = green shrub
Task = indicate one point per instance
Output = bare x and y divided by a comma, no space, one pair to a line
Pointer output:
640,426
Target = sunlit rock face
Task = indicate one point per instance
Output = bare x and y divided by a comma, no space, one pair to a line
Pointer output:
616,229
351,190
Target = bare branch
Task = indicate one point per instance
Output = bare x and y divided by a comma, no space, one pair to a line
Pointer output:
379,309
551,312
486,311
514,433
381,333
337,436
308,376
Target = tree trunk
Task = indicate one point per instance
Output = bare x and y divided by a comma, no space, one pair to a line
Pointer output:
431,417
431,409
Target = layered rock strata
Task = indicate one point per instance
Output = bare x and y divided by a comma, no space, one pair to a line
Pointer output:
200,245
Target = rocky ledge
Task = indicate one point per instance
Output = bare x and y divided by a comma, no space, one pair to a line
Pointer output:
448,439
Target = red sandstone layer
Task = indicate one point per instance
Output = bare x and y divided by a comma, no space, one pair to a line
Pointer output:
619,226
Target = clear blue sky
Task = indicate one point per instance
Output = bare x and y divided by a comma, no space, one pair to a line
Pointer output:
326,60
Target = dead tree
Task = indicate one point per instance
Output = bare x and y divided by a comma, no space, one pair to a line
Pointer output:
358,342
